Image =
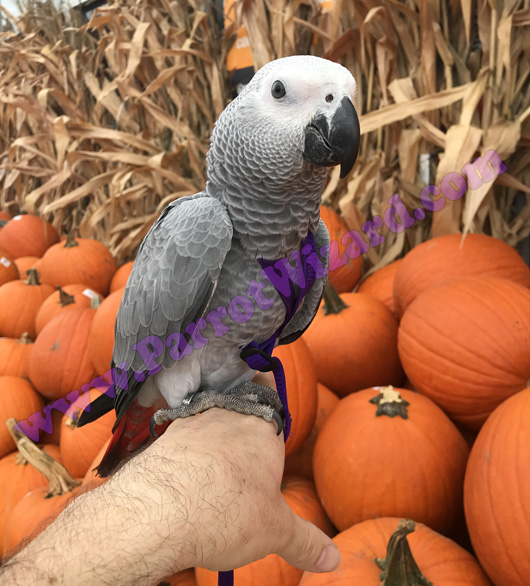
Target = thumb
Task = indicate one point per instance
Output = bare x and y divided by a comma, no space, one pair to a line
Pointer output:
309,548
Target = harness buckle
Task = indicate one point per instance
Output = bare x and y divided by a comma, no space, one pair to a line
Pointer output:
271,362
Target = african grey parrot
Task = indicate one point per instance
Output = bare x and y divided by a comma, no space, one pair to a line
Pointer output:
197,294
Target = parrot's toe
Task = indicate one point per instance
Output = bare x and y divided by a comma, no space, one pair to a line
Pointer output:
248,398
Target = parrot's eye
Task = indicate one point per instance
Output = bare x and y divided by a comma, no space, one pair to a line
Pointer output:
278,90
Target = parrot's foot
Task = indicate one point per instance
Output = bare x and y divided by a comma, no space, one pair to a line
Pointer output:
247,398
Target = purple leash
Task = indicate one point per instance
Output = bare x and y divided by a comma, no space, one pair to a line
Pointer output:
259,356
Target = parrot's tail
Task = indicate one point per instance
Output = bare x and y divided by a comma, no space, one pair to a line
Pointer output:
97,408
130,432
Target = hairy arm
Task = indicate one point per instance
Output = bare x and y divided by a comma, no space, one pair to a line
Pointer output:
207,493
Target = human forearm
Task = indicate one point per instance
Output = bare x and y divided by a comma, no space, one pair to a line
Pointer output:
207,493
110,535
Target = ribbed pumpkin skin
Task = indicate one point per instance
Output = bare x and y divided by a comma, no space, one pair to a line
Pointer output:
24,263
8,269
443,257
368,466
497,492
343,278
121,276
465,344
80,445
89,263
52,306
14,357
31,512
27,235
301,496
440,560
102,331
60,360
17,479
19,305
381,284
302,395
301,462
18,399
357,347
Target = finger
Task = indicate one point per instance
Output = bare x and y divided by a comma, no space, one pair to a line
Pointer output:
309,548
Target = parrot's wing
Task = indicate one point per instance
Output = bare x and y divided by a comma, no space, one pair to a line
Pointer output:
304,316
173,278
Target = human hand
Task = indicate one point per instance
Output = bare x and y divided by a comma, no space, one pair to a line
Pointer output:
231,492
207,493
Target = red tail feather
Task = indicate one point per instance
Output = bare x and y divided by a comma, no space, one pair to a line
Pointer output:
132,432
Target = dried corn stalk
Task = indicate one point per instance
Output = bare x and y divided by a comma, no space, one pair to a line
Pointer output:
102,124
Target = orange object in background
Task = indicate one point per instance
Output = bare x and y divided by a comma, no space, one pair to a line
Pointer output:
239,60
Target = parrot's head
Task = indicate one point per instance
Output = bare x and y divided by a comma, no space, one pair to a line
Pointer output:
294,119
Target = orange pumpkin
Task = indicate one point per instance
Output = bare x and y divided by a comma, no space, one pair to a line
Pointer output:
8,268
64,299
121,276
344,272
27,235
497,492
20,302
353,341
381,284
422,558
4,218
80,445
444,257
14,356
91,478
19,477
390,452
465,344
301,496
302,393
54,437
24,263
38,508
301,462
83,261
18,399
102,331
60,360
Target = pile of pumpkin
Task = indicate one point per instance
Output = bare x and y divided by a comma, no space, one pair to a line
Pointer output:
408,400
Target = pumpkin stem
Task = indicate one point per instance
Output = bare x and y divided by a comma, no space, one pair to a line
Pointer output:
25,339
65,298
33,277
332,301
390,403
399,567
70,241
60,480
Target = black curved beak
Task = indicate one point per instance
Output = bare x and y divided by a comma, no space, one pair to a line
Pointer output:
334,143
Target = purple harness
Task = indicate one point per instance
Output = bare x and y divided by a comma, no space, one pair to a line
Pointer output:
259,356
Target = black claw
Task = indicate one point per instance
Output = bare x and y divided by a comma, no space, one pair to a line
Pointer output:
278,420
152,426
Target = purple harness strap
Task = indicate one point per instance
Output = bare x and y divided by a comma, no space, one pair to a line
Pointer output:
259,356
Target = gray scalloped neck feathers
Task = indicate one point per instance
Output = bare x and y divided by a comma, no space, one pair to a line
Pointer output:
256,169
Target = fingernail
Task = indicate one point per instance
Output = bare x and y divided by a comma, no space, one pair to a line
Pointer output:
329,560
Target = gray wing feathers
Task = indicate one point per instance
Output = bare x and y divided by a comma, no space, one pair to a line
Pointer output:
304,316
173,275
